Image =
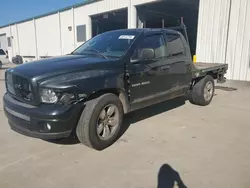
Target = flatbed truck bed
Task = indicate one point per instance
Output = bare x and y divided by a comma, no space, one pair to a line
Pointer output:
217,70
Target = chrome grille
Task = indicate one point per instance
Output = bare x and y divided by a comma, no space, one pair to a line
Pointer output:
9,83
18,86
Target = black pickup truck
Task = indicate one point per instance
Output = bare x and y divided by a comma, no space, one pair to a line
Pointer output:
88,91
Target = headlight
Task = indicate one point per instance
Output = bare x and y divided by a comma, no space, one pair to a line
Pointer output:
48,96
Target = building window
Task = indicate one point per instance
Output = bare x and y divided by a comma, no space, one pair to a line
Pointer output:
9,41
81,33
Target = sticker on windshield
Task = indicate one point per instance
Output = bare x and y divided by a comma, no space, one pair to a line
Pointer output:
127,37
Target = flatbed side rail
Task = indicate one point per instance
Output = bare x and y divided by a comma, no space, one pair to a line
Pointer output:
218,71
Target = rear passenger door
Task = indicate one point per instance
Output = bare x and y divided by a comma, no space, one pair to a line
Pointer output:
179,60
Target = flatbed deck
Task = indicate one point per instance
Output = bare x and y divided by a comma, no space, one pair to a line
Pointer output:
201,69
209,66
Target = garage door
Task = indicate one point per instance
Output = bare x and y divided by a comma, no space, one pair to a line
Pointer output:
3,42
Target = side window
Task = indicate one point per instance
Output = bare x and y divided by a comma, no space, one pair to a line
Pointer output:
175,45
155,42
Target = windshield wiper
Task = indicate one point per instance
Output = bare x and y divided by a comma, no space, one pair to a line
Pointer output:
97,53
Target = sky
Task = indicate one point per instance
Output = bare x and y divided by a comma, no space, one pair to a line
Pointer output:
16,10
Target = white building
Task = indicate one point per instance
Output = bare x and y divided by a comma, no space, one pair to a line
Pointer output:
219,30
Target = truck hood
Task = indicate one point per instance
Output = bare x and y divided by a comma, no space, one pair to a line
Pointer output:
59,65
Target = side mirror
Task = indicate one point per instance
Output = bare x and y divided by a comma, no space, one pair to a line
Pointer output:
144,54
147,54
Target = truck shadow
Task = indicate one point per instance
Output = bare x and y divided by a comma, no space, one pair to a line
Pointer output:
151,111
132,118
224,88
169,178
72,140
5,68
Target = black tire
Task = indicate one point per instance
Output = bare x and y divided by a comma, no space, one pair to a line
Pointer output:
14,60
19,59
197,96
86,129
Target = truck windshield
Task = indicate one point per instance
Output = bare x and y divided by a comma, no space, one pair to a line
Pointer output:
110,44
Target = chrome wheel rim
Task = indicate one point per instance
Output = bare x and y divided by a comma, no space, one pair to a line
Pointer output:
108,122
208,91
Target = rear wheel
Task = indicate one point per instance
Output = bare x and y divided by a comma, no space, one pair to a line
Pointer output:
100,122
203,91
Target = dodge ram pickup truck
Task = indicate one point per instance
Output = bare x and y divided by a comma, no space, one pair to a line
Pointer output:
88,91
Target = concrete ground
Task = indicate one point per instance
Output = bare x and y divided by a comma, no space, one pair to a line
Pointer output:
201,147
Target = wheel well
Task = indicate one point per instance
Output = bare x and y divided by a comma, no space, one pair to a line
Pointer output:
196,80
102,92
118,92
214,75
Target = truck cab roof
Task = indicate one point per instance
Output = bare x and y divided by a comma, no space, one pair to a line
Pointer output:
149,30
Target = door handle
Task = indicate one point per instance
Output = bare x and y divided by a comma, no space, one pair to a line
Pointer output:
165,67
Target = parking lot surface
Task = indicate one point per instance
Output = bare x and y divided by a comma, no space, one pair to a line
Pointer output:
164,145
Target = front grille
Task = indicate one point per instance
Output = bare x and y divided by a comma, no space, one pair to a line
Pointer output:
19,87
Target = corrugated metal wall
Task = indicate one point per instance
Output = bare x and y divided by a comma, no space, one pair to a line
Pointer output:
26,35
14,50
223,32
66,21
3,42
238,50
224,37
49,35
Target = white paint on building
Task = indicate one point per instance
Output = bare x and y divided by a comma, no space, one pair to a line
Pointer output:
3,42
223,31
239,40
51,35
224,37
48,36
67,32
14,41
26,35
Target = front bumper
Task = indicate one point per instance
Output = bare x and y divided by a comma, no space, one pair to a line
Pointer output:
44,121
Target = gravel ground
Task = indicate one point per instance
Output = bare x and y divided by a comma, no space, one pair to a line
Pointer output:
165,145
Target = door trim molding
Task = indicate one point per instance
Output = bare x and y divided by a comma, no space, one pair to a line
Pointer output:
158,98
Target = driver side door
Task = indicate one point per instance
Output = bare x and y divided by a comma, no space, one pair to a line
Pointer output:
147,75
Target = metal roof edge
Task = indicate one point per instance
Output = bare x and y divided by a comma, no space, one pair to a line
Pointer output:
51,13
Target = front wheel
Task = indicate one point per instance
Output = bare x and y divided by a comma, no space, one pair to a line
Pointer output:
203,91
100,122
